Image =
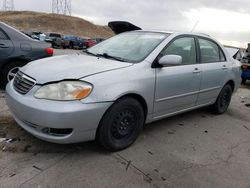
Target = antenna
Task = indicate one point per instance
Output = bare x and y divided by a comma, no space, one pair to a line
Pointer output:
8,5
195,25
61,7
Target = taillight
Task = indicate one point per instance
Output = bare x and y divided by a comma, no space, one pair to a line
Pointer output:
244,67
49,51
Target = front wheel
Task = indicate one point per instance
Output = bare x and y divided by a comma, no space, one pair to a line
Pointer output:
121,124
223,100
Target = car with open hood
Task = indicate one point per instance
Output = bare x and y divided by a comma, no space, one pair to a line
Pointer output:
115,87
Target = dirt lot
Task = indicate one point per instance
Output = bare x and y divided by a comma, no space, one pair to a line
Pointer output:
195,149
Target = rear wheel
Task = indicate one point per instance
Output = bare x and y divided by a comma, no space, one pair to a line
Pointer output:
223,100
9,71
121,124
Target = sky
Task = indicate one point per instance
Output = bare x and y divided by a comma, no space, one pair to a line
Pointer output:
228,21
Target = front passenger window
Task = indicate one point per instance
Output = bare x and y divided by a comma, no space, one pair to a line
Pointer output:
184,47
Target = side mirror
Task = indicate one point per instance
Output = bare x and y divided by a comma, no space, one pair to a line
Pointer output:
170,60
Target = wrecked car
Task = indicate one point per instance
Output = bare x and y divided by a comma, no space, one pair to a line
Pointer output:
114,88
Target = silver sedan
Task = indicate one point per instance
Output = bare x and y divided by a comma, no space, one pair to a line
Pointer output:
114,88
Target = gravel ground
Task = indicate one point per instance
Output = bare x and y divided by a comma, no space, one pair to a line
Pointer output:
195,149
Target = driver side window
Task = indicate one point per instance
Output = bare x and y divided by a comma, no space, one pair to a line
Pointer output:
184,47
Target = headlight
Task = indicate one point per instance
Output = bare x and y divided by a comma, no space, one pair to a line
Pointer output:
65,91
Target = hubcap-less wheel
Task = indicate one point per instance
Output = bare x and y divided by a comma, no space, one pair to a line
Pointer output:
121,124
223,100
124,124
12,73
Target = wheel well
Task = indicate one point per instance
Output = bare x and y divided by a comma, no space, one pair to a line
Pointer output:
231,83
137,97
140,99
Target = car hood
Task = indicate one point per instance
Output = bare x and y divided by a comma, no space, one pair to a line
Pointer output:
69,67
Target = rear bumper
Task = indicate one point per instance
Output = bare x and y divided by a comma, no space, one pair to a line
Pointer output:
37,116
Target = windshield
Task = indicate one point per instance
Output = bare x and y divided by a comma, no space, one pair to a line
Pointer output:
129,47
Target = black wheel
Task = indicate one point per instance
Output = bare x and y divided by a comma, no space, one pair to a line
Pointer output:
243,81
9,71
121,124
223,100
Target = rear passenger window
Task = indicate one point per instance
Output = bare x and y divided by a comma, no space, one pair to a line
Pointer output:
210,51
3,36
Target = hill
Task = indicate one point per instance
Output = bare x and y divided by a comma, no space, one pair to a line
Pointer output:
45,22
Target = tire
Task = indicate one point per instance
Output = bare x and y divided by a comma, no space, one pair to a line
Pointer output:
5,76
243,81
223,100
121,124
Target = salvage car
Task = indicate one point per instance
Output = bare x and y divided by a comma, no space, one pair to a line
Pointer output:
246,66
73,42
16,50
55,39
120,84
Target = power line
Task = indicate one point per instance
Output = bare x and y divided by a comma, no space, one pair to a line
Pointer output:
61,7
8,5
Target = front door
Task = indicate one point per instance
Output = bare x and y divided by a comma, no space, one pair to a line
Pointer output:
177,87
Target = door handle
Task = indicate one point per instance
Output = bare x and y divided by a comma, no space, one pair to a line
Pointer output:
3,46
224,67
196,70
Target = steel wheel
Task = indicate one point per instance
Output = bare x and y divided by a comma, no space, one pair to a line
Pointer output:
121,124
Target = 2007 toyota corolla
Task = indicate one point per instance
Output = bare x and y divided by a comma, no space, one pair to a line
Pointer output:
117,86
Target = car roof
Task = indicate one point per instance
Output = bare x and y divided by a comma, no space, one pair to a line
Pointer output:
175,32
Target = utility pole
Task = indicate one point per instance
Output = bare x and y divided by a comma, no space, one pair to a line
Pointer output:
8,5
61,7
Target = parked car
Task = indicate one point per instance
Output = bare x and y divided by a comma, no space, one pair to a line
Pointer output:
55,39
236,53
73,42
98,40
117,86
89,43
16,50
246,66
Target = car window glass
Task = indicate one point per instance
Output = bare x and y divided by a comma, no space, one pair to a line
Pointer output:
3,36
209,51
184,47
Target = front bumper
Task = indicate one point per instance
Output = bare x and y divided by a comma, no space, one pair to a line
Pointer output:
37,116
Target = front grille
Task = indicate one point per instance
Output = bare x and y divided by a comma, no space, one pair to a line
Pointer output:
23,83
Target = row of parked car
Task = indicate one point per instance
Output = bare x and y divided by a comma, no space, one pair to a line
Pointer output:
64,41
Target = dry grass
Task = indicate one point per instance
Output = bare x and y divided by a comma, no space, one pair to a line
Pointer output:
34,21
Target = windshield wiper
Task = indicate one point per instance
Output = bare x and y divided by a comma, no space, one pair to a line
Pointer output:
105,55
90,53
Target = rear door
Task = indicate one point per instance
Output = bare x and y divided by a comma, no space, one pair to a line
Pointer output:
214,70
177,87
6,46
